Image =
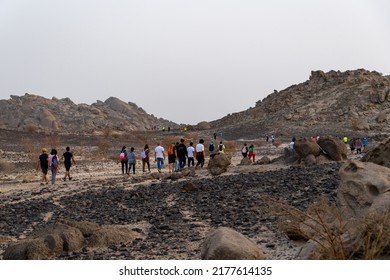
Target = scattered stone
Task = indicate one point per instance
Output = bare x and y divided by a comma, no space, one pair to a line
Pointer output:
228,244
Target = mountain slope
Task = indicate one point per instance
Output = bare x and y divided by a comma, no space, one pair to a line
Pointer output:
328,103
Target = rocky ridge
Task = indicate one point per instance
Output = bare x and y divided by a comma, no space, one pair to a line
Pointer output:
356,102
35,113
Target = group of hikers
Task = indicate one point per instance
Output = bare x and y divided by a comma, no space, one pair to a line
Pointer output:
356,144
178,153
52,161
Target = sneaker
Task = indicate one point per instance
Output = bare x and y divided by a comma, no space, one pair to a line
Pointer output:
70,178
64,179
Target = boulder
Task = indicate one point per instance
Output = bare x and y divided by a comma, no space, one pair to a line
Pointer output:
228,244
30,249
107,236
72,237
379,155
333,147
364,189
203,125
264,160
304,147
310,160
218,164
245,161
86,228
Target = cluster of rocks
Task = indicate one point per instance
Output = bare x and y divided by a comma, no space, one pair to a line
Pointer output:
359,226
68,236
325,148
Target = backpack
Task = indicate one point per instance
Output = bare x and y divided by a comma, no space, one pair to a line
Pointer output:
244,150
143,154
220,147
211,148
170,150
122,156
54,162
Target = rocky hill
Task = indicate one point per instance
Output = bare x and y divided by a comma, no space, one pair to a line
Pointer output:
352,103
36,113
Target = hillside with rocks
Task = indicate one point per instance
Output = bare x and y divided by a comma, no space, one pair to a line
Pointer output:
352,102
35,113
355,103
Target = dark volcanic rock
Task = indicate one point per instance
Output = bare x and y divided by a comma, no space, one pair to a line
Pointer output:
234,201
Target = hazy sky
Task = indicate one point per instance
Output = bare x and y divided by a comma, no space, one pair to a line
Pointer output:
183,60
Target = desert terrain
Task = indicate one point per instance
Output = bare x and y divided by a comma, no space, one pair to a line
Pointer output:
171,213
107,215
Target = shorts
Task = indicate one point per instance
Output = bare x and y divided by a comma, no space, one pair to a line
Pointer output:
67,166
171,158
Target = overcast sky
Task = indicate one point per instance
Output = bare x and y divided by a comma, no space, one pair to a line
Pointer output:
186,61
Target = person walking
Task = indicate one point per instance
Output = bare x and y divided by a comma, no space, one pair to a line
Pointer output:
177,162
252,155
43,162
54,165
358,145
291,145
199,149
159,156
123,160
182,154
131,160
190,154
352,145
365,143
171,157
68,159
221,148
145,157
212,149
244,151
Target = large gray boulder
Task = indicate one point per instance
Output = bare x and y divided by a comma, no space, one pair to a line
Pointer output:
304,147
228,244
364,189
218,164
333,147
379,155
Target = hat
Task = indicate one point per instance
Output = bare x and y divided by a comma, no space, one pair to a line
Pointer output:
44,150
